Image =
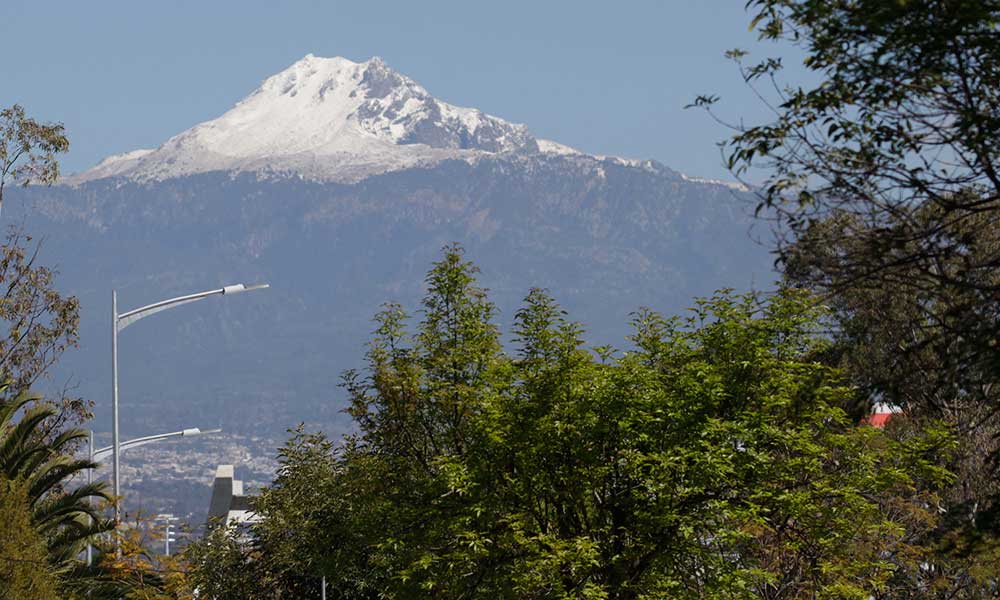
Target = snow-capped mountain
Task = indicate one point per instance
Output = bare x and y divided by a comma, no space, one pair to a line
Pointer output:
328,119
338,183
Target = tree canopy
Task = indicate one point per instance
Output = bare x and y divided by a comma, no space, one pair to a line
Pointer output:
882,179
711,459
25,570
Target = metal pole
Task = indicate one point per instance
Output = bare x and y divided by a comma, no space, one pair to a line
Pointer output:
324,587
121,322
114,409
90,500
166,539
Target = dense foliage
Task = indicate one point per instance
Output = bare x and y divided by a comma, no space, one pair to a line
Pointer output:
39,468
709,460
883,178
25,571
884,175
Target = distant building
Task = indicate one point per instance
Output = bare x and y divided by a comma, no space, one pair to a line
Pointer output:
228,505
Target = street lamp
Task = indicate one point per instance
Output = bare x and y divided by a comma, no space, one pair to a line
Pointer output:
100,454
120,322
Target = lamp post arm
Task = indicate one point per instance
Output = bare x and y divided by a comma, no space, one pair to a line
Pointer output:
127,318
102,453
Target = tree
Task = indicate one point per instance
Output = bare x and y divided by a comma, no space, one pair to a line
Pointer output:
25,571
224,568
306,532
882,181
710,460
28,149
891,160
891,157
39,323
62,515
904,115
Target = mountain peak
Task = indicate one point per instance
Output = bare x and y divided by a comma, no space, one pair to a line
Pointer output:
327,119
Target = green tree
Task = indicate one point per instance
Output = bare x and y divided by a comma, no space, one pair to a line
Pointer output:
308,531
224,567
882,180
710,460
62,513
890,159
25,570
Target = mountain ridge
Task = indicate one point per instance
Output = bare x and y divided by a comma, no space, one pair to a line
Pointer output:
329,119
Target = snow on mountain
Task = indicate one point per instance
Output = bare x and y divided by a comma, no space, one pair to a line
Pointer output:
550,147
326,119
733,185
332,119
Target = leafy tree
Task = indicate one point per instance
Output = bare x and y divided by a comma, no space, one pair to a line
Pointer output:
37,323
890,160
882,181
906,349
63,515
225,568
306,533
904,115
28,149
711,460
25,570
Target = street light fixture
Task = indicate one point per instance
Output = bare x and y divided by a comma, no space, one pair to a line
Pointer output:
98,455
120,322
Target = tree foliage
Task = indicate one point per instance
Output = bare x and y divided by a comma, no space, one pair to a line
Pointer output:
710,460
28,149
65,516
37,322
882,178
25,570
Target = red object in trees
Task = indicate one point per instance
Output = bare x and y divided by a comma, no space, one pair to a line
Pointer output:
880,415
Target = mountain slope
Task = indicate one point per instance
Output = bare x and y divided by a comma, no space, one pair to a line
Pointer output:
604,237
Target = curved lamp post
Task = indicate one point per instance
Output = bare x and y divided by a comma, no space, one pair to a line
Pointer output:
100,454
123,320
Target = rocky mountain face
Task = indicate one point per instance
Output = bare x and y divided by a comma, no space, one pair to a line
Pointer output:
338,183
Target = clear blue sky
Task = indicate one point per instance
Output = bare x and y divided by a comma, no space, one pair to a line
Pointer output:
604,77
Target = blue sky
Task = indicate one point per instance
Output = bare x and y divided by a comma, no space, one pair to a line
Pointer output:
604,77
